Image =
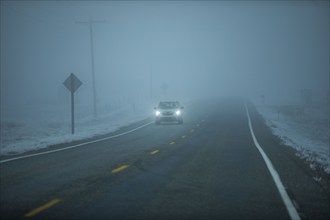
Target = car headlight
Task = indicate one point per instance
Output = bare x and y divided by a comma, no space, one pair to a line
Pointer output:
157,113
178,112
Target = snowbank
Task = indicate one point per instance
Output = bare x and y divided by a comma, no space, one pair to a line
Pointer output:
51,124
306,129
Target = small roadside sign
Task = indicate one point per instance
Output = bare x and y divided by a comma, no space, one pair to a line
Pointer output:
72,83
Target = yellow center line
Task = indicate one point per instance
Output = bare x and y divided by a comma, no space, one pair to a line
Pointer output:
154,152
123,167
172,143
42,208
184,136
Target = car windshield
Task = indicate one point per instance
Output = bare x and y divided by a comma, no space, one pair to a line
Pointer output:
168,105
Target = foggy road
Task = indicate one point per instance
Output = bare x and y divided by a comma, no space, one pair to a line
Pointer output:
207,168
80,82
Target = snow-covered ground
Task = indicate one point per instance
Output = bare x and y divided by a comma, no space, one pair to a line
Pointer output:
305,128
35,126
51,124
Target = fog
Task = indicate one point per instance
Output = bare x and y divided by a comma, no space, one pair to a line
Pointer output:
195,49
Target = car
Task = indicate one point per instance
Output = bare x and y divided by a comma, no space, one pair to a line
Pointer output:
168,111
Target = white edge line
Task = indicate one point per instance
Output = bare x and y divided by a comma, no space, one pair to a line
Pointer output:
285,197
74,146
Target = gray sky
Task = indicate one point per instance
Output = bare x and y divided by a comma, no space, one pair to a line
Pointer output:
197,48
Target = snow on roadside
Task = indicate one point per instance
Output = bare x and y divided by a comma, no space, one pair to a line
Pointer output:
39,129
306,129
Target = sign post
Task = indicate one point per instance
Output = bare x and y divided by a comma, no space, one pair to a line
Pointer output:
72,83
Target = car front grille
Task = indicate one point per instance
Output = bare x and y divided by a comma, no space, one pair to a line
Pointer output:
168,113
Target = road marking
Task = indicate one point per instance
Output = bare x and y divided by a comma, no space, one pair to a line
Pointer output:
192,130
123,167
74,146
172,143
184,136
42,208
154,152
284,195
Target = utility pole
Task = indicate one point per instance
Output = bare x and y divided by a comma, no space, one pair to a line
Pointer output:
91,22
150,81
150,70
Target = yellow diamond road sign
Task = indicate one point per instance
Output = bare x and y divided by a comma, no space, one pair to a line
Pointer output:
72,83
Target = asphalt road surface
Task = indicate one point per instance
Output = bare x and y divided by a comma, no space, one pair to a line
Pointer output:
207,168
